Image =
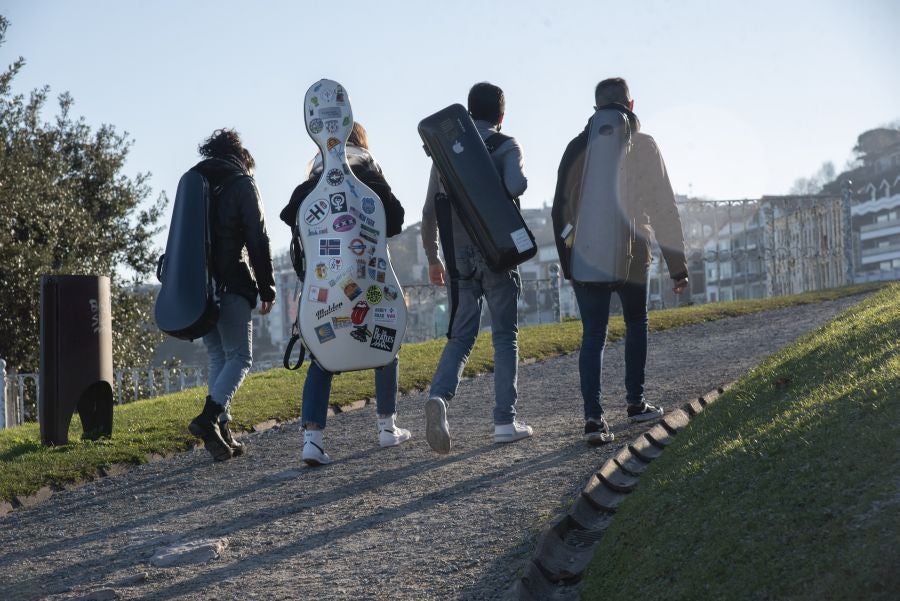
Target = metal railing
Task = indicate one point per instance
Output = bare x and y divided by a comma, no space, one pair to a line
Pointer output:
19,392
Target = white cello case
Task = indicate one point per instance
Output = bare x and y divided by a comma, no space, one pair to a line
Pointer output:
601,249
352,311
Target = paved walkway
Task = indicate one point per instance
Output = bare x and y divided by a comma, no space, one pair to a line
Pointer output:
399,523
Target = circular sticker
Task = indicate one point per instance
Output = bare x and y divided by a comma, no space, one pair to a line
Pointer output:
357,247
335,177
368,205
315,126
373,294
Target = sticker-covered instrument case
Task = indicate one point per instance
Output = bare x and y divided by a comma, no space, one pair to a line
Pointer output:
352,312
473,185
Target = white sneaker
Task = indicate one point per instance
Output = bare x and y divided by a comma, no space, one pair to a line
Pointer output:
313,450
437,429
512,432
389,433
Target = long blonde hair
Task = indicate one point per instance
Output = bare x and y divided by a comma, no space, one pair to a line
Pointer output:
358,136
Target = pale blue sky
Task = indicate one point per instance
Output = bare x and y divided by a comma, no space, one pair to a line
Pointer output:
743,98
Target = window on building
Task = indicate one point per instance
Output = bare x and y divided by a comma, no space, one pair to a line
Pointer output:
882,218
896,263
885,266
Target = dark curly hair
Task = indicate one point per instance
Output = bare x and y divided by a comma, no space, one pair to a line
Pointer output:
224,143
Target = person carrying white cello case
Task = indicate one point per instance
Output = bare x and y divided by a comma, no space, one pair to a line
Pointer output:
351,313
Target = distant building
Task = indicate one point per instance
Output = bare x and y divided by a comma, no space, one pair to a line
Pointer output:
804,242
733,255
875,209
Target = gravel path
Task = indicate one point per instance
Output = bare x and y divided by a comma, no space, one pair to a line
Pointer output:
399,523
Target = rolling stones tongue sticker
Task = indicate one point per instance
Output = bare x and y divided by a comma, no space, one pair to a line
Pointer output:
360,310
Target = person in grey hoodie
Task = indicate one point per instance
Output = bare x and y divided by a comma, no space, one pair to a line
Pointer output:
470,282
650,205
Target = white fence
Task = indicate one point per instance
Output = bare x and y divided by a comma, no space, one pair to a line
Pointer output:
19,391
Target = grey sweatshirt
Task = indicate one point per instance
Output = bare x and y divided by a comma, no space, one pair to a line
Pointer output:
508,161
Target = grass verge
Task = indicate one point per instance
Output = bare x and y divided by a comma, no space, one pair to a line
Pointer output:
788,487
159,425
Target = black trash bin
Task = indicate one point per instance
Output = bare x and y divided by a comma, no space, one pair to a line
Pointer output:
76,357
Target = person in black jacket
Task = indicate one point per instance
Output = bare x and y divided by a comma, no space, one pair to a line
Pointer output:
241,263
317,388
649,204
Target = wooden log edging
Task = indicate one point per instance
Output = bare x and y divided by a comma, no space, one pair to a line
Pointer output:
565,548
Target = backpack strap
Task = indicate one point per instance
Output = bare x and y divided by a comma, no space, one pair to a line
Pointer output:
295,337
495,141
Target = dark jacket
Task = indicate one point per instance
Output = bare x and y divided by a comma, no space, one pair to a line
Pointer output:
649,201
367,170
238,232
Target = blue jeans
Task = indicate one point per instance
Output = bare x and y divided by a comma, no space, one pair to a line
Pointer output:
593,304
230,349
317,391
476,283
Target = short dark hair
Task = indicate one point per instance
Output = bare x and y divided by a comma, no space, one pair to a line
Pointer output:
486,102
222,143
611,90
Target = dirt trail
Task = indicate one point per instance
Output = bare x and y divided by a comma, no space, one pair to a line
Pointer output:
399,523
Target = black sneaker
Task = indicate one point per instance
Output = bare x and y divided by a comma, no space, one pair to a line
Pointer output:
596,431
206,427
644,412
237,448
